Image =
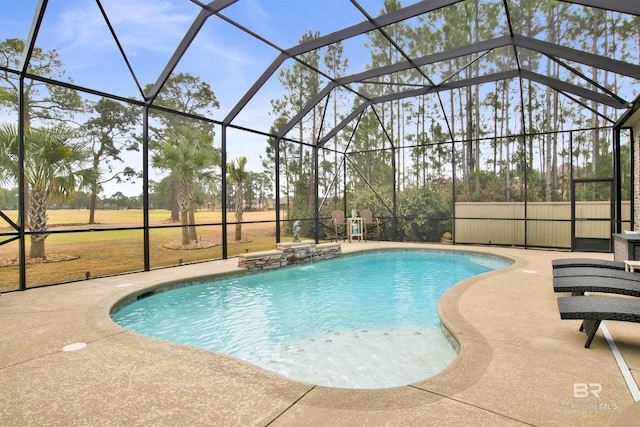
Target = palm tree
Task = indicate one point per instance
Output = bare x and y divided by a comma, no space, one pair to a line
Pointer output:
238,175
53,169
189,154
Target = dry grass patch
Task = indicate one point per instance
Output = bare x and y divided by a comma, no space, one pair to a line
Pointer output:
107,252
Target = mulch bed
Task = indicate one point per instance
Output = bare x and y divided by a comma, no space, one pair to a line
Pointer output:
6,261
195,244
199,244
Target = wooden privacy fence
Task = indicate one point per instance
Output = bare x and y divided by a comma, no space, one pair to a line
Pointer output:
548,223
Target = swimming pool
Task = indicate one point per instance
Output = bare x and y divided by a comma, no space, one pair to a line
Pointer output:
360,321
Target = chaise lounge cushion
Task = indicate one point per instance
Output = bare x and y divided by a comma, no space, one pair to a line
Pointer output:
595,272
587,262
578,285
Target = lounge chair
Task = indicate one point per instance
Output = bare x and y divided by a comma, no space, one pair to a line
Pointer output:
595,272
594,309
369,223
338,220
587,262
578,285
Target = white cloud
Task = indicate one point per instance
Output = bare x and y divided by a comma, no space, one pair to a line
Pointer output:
142,25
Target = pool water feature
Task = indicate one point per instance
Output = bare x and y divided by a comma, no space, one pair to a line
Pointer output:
360,321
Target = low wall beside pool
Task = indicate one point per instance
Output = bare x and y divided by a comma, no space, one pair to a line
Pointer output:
289,253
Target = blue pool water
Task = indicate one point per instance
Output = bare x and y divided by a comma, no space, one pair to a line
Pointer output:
362,321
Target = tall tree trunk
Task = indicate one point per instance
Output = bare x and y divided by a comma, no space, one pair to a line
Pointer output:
549,115
311,179
495,134
184,191
399,145
184,215
507,132
192,221
475,100
94,189
38,222
284,149
239,212
464,125
424,151
594,105
175,194
93,201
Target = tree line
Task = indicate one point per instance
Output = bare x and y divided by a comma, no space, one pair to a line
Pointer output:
479,141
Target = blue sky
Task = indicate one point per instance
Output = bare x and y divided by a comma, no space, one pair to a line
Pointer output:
150,30
221,55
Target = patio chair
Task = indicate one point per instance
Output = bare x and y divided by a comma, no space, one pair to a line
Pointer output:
338,220
578,285
595,272
594,309
369,223
587,262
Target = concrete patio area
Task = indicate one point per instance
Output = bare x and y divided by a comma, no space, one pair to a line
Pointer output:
519,363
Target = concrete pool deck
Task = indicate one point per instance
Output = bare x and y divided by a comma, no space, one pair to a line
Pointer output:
519,364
